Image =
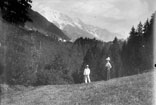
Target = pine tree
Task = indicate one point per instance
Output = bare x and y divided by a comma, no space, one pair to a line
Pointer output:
132,33
116,58
140,29
146,26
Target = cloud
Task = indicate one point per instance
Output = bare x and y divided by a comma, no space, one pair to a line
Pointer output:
92,7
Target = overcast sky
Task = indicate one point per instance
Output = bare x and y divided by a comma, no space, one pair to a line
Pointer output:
115,15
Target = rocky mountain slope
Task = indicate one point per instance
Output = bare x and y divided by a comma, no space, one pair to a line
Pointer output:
132,90
42,25
74,27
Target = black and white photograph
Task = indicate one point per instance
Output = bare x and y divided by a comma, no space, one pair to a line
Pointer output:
77,52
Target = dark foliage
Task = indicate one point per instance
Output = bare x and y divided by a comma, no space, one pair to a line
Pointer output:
15,11
54,73
1,69
137,52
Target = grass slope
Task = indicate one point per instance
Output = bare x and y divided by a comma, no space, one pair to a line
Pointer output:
132,90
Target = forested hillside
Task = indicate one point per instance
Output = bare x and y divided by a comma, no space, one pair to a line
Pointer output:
28,57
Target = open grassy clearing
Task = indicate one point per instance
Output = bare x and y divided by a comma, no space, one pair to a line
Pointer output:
131,90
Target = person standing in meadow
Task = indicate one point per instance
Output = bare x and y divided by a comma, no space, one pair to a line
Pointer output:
87,74
108,67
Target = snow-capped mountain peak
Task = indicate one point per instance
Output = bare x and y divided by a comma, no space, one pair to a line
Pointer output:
57,17
74,27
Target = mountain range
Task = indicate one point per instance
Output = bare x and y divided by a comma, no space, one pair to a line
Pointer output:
41,24
75,27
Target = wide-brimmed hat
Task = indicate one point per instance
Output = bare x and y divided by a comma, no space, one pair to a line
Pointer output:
108,58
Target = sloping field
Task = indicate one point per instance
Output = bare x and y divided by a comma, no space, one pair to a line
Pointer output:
132,90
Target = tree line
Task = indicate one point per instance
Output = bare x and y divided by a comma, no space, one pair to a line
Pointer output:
137,51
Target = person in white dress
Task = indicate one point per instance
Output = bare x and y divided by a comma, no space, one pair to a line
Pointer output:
108,67
87,74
